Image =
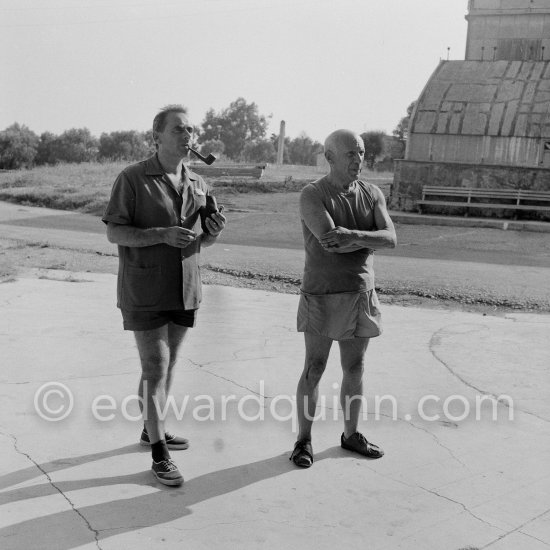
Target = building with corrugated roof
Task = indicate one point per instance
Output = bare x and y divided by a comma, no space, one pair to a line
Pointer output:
485,121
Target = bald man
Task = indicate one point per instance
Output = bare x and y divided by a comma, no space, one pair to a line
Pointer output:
344,219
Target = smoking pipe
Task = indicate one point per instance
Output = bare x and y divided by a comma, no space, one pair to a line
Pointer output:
207,160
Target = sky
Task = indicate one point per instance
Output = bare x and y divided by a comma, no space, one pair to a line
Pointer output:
319,65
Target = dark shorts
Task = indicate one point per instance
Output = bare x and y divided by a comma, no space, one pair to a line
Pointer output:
150,320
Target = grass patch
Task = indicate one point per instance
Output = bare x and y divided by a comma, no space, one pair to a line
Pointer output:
83,187
221,186
87,187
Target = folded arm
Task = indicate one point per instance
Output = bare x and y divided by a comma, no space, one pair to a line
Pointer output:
315,215
341,240
382,237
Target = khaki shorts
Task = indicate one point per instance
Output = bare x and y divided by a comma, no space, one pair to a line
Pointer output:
340,316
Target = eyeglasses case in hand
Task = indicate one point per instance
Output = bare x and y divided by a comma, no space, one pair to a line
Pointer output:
206,211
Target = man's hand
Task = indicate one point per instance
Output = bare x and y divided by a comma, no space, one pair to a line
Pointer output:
216,223
336,238
178,236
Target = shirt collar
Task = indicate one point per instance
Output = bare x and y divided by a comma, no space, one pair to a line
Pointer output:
153,168
190,174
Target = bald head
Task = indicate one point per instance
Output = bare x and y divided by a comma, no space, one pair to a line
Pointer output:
340,137
344,151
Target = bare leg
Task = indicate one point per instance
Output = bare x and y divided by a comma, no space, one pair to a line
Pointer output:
307,393
158,351
176,336
154,353
352,354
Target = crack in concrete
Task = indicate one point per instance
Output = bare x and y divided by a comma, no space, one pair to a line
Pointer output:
534,538
417,427
322,406
436,439
51,482
463,506
434,340
132,372
122,527
202,369
237,358
518,529
234,358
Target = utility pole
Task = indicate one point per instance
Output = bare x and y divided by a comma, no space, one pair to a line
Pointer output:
281,146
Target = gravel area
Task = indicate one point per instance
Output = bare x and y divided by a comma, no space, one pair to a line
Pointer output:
18,257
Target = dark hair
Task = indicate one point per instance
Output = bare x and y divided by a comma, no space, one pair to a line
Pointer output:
159,122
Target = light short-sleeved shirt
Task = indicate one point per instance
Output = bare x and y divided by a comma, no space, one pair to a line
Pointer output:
326,272
158,277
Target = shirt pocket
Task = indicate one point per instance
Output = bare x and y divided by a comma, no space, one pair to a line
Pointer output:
141,286
195,201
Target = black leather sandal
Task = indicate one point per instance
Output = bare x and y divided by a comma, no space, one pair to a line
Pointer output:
302,455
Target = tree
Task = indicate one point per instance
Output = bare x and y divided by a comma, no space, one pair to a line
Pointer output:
303,150
235,125
401,131
123,145
374,146
46,153
18,147
261,150
75,145
214,146
148,137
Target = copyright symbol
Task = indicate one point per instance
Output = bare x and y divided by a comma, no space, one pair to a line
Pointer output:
53,401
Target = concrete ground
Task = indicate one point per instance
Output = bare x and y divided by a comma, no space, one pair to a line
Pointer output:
448,480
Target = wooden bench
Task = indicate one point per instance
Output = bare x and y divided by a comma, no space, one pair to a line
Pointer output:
469,197
229,170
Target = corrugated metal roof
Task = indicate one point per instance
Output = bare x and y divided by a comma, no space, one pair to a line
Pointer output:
500,98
